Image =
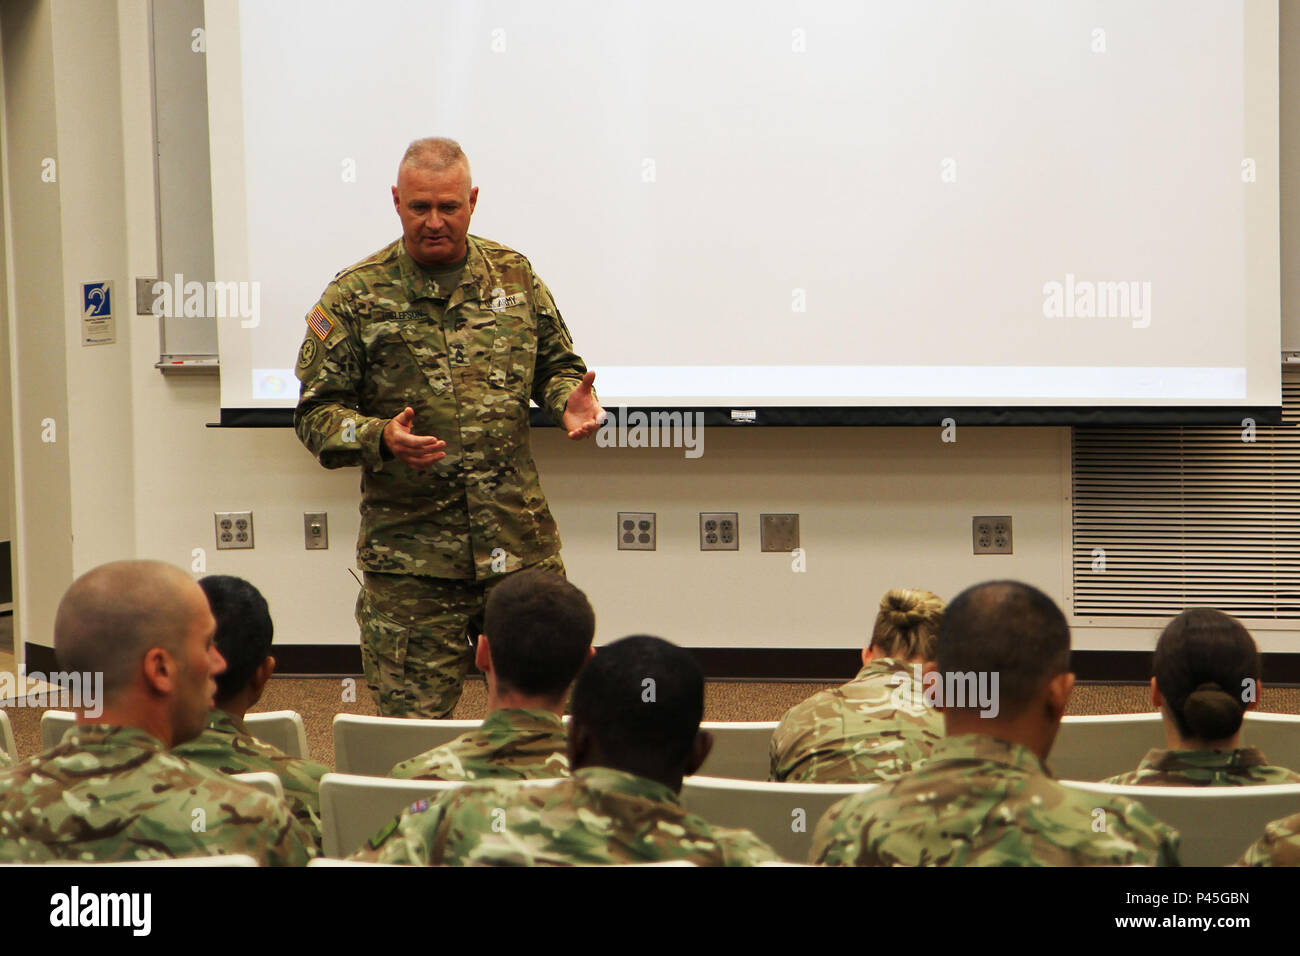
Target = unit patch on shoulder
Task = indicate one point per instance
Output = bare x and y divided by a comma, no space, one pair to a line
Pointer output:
307,353
320,322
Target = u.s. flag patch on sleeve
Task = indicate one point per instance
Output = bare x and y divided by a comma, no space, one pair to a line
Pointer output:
320,323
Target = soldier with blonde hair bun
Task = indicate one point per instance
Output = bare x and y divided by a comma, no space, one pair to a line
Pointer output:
877,726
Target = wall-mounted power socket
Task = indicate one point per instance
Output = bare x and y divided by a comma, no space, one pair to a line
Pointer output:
991,534
636,531
719,531
234,529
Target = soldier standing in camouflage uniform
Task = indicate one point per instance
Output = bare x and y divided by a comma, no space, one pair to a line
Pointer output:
244,635
1206,678
984,796
537,634
877,726
418,365
110,790
635,733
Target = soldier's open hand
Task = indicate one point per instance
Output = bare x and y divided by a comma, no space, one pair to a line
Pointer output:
418,451
582,413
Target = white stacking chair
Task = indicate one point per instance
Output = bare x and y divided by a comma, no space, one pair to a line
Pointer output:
1097,747
280,728
263,780
782,815
740,749
372,746
1217,824
353,808
221,860
1277,735
7,736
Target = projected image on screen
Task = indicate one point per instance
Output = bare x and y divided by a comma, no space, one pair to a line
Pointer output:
769,204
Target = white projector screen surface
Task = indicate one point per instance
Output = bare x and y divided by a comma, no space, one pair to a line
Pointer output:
741,204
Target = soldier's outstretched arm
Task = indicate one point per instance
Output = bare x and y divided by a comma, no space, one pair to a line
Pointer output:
330,363
558,370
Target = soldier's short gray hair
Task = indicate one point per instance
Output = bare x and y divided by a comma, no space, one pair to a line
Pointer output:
112,615
434,153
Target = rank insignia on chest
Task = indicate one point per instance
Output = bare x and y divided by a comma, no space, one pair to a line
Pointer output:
500,301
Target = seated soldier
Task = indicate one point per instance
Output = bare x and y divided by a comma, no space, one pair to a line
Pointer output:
984,796
539,630
110,790
634,734
875,727
1206,678
244,633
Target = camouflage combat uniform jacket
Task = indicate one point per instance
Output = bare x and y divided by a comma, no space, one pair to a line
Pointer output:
979,801
386,335
1279,846
5,760
598,815
113,793
1245,766
511,744
876,727
227,747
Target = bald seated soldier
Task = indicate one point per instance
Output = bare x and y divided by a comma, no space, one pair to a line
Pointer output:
635,732
538,634
985,797
244,635
110,790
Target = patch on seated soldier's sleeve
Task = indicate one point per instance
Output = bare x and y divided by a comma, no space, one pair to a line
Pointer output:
419,806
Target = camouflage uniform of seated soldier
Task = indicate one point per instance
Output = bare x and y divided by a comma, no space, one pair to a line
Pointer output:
538,634
877,726
634,734
244,635
110,790
1206,678
984,797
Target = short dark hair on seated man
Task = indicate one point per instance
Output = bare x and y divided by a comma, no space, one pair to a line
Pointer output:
244,629
1203,662
641,700
1008,627
539,629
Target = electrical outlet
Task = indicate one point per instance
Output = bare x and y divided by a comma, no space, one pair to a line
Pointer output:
234,529
991,534
316,530
719,531
778,533
636,531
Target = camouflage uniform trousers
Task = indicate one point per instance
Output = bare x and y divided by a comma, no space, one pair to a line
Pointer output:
416,638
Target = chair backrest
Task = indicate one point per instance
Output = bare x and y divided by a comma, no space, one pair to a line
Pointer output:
280,728
373,745
1094,748
54,724
740,749
783,815
353,808
215,859
7,736
263,780
1216,823
1277,735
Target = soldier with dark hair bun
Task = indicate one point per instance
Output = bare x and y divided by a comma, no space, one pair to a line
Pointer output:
1206,678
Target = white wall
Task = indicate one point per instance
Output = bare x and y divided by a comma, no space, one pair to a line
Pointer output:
140,474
